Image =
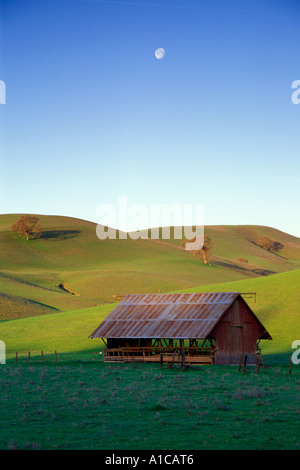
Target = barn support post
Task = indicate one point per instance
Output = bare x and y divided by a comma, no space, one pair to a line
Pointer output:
173,358
258,364
183,359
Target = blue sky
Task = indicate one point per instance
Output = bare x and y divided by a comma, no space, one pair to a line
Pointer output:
91,114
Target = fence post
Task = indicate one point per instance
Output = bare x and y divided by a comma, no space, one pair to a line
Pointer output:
245,362
16,357
258,364
290,368
42,354
240,363
173,358
28,357
55,357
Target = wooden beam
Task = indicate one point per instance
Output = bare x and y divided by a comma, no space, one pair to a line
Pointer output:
183,359
258,364
173,358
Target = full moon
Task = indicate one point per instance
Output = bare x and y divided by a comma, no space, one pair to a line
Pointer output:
160,53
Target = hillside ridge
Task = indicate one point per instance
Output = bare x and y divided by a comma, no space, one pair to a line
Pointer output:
70,254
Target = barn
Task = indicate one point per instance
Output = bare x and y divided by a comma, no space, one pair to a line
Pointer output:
215,328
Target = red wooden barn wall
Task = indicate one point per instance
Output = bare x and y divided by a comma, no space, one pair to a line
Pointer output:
236,334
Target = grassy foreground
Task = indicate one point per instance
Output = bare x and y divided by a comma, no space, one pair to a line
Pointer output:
116,407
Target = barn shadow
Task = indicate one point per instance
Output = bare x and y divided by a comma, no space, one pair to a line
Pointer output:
60,234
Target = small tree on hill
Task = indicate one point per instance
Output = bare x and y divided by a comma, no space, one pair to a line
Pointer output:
205,252
27,225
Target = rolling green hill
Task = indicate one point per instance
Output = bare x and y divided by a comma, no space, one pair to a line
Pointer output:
90,271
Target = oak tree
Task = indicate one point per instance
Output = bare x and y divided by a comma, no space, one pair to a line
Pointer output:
205,252
28,226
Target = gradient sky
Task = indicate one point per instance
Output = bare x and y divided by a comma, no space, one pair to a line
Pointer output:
91,114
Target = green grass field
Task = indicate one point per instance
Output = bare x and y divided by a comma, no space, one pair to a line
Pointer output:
101,406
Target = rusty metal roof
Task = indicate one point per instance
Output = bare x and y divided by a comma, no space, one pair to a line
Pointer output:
177,316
